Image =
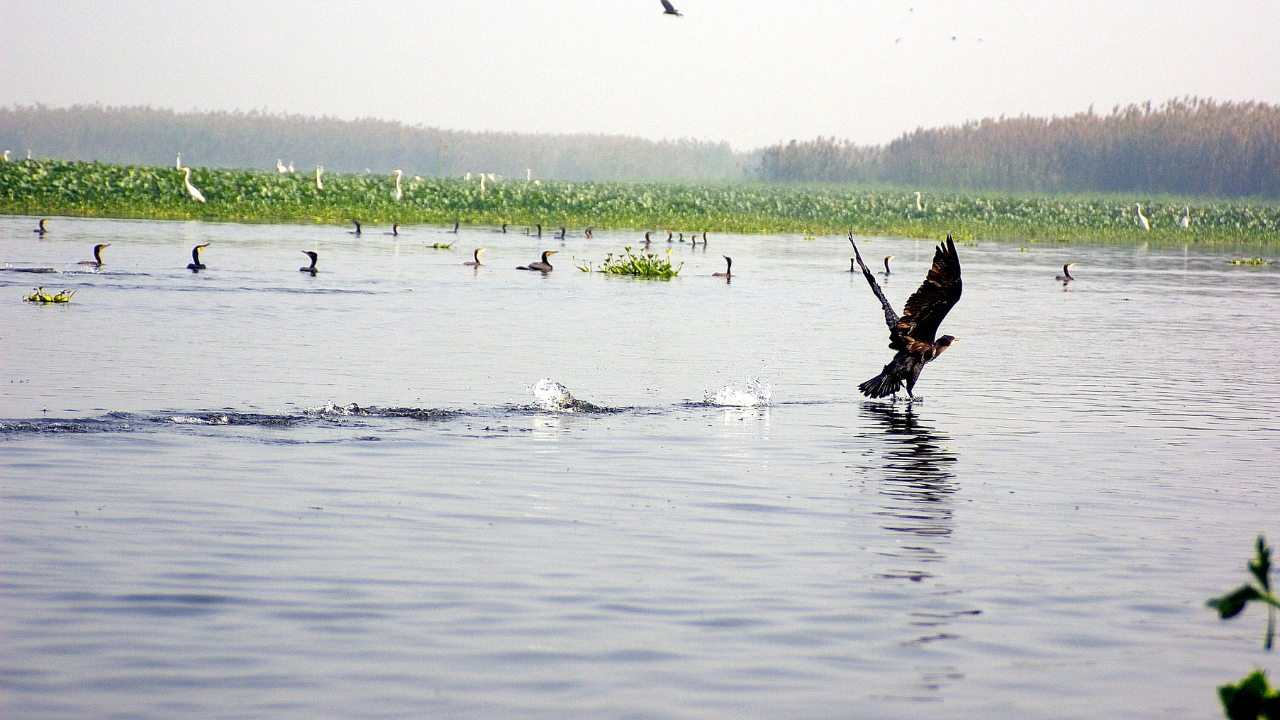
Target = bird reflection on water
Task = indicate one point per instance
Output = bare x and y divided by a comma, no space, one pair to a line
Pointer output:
917,473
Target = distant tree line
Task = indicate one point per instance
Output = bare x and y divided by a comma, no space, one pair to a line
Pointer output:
147,136
1191,147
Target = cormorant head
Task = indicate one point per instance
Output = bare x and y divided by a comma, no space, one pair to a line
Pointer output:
545,253
195,251
945,342
313,255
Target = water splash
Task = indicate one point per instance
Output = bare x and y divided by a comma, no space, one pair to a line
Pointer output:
749,392
551,396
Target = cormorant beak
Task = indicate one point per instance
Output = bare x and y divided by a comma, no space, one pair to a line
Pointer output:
890,258
552,252
1070,265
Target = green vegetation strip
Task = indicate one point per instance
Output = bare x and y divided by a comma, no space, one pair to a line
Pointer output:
51,187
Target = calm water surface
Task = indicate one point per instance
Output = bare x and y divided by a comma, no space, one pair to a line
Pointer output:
250,492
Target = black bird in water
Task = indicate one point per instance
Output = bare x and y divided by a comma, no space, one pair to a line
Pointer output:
456,223
97,255
1065,277
312,267
542,265
887,271
560,235
912,334
476,255
355,232
504,228
667,9
728,268
539,229
195,264
41,230
395,230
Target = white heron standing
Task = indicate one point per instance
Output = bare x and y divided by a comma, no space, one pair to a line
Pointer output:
918,205
399,193
319,172
280,167
528,173
1142,219
192,190
1185,222
291,168
481,183
6,155
177,164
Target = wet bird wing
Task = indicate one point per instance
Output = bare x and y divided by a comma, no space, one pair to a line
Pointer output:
890,317
939,292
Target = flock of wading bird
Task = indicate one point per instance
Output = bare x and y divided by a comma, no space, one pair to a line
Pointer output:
913,334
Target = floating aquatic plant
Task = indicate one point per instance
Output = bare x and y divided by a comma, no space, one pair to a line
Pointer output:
648,265
1252,697
40,296
1254,261
442,246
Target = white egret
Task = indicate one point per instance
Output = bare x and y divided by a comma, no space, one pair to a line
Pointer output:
399,193
290,168
918,205
192,189
177,164
481,183
6,155
1185,222
280,167
319,172
1142,219
528,174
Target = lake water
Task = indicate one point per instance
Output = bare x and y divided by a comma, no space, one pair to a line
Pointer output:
251,492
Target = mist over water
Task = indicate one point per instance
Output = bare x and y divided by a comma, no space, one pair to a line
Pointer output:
405,488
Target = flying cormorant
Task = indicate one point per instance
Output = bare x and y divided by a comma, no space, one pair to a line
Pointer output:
97,255
542,265
195,264
667,9
912,334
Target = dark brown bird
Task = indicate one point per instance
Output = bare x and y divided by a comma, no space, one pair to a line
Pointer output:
355,232
728,268
456,223
312,267
1066,273
912,334
541,266
97,255
560,235
667,9
476,255
195,264
41,230
395,230
887,271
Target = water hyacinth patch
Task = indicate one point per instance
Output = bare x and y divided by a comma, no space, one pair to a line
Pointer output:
648,265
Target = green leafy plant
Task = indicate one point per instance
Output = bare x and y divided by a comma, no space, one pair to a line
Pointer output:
1253,697
648,265
1254,261
40,296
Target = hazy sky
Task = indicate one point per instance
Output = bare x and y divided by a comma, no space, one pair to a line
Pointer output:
748,72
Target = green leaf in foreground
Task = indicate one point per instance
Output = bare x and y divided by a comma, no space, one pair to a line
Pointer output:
1251,699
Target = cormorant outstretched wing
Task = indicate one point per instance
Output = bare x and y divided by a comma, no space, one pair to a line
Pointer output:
667,9
890,317
939,292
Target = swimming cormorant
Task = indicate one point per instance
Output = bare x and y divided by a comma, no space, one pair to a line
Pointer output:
887,271
97,255
912,334
542,265
312,267
456,223
41,230
1066,273
667,9
195,263
395,230
355,232
504,228
476,255
539,229
560,235
587,233
728,268
668,236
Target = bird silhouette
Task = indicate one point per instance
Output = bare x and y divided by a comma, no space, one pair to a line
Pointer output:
41,230
667,9
312,267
